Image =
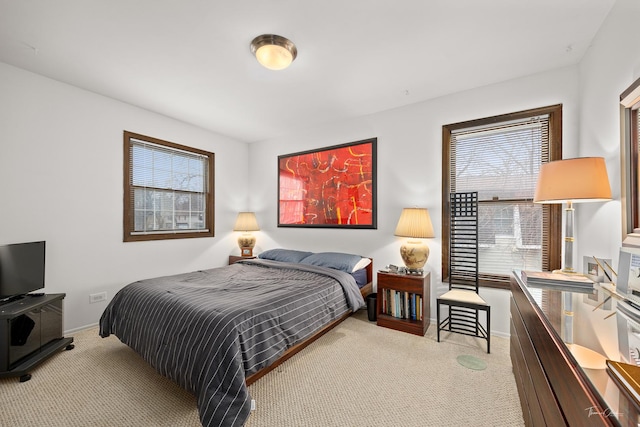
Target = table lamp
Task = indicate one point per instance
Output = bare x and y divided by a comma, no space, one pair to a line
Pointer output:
414,223
246,222
572,181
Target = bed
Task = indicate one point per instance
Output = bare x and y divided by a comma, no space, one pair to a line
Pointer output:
214,332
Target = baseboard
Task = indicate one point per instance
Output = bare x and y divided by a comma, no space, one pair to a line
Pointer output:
494,333
81,328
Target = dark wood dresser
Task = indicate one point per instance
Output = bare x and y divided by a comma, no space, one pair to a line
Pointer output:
559,343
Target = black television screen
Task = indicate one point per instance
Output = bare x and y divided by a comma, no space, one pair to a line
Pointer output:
21,268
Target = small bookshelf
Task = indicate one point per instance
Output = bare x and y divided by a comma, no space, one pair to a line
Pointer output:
403,302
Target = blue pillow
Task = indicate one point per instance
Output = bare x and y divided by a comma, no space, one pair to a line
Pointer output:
284,255
336,260
361,277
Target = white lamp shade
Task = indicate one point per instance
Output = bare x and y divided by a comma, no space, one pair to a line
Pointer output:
414,222
246,221
577,180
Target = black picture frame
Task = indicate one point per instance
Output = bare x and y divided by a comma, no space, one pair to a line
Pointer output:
329,187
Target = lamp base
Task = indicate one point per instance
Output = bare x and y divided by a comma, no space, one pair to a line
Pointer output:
246,242
415,271
414,254
246,252
567,272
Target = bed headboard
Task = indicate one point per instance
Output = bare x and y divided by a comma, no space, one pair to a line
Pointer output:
368,288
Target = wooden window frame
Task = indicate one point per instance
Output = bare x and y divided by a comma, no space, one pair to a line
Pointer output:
128,214
629,174
552,214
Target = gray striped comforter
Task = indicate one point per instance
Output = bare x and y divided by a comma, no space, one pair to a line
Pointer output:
209,329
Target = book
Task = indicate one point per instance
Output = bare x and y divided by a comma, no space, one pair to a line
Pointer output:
628,377
413,306
407,309
394,303
548,278
384,301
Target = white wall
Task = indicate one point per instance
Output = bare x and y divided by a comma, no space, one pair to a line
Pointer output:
61,181
409,149
610,66
409,169
61,172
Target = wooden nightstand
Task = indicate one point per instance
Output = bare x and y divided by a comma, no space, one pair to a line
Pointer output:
403,302
235,258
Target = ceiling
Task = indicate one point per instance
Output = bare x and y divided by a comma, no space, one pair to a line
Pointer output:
190,59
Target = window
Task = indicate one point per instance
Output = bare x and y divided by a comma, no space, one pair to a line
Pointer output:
500,157
168,190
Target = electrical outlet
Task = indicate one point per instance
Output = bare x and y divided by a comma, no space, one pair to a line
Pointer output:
101,296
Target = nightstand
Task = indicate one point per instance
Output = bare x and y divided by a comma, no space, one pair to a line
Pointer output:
235,258
404,302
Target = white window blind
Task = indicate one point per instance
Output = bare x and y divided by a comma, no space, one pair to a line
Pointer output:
501,162
168,189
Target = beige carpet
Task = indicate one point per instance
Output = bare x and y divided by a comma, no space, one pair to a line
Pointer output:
356,375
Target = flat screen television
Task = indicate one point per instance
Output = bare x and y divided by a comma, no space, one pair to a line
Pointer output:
21,269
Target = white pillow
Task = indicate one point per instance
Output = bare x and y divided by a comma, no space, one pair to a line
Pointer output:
337,260
361,264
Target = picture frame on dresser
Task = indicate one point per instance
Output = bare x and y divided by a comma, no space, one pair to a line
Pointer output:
598,299
628,284
596,269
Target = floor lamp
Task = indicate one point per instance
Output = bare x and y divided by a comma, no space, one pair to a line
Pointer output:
572,181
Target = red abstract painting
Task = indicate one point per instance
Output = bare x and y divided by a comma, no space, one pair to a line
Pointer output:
330,187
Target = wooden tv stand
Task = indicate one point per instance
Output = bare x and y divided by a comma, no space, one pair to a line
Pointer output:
30,332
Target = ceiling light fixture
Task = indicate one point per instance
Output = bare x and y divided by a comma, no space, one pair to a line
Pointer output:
274,52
